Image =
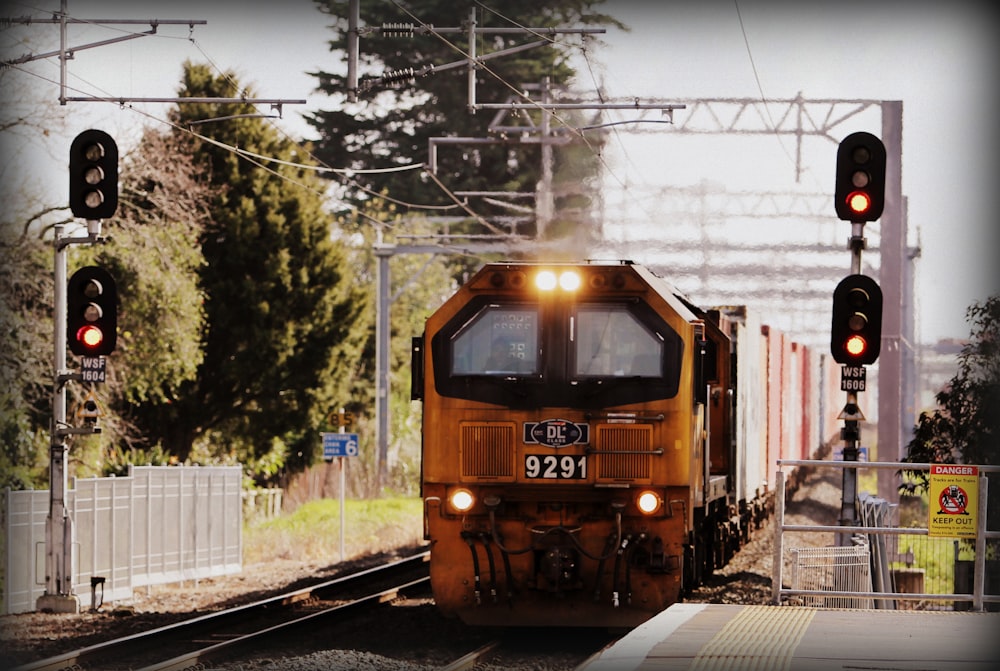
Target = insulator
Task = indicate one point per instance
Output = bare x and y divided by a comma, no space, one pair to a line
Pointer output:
397,30
402,74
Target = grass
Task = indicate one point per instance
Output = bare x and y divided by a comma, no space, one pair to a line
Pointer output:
936,556
312,532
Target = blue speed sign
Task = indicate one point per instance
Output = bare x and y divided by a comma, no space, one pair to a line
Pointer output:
340,445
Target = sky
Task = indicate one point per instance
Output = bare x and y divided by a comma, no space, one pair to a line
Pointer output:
938,58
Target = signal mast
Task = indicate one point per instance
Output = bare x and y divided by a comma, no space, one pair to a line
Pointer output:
856,324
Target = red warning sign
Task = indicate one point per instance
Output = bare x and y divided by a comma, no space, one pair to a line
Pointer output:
954,494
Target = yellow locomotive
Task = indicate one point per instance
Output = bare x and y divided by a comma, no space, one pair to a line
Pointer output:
581,464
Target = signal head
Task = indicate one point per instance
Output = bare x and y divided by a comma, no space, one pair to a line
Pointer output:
856,328
859,195
92,314
93,175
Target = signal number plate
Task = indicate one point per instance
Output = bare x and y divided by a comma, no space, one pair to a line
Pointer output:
555,467
853,378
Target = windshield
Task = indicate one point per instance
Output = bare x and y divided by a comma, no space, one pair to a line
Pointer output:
609,341
499,340
535,354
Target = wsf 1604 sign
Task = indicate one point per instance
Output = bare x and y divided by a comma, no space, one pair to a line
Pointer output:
93,369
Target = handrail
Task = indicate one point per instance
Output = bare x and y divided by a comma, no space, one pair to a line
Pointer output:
978,597
899,465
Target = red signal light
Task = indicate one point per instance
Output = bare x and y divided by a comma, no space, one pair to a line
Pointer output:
90,336
855,346
859,202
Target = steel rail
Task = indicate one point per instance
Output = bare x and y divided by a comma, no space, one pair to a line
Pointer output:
469,661
95,654
191,659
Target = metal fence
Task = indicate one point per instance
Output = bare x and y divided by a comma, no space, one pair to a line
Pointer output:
262,503
160,524
816,569
888,562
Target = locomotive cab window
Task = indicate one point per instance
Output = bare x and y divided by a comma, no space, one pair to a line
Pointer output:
530,355
498,340
610,341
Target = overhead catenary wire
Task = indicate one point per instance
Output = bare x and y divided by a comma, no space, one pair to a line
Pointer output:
263,162
343,173
322,167
545,109
518,92
756,77
580,131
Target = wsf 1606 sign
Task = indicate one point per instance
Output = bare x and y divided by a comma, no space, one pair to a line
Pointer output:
853,378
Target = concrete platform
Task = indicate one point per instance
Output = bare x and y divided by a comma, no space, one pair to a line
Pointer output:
720,636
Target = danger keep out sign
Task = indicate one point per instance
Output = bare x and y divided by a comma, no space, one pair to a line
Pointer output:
952,506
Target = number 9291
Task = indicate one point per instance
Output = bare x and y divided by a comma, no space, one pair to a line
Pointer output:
555,467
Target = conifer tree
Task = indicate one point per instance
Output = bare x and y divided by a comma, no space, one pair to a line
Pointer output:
282,332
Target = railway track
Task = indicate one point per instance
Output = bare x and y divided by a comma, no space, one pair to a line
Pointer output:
534,648
469,661
194,642
414,631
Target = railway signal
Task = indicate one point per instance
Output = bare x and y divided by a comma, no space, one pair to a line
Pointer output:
93,175
856,329
859,195
92,315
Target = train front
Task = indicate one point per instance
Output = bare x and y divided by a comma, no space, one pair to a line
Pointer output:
557,444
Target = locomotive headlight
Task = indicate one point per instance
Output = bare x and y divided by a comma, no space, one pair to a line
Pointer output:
648,502
546,280
462,500
569,280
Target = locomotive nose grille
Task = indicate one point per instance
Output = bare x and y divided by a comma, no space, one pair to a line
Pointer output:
487,450
633,444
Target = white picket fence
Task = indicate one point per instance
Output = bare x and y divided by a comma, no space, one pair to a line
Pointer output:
160,524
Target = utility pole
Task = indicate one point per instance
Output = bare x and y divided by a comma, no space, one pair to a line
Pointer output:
897,364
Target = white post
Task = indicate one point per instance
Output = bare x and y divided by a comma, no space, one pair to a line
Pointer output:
779,521
59,595
342,429
979,573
